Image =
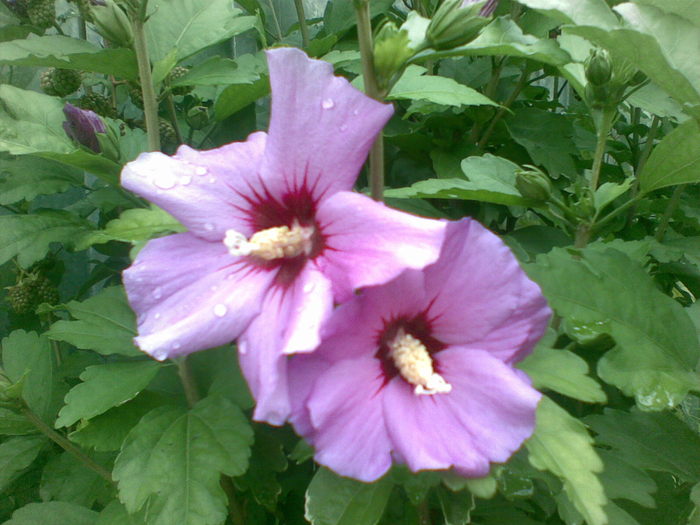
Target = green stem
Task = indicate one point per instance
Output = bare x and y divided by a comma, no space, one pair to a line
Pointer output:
670,209
188,385
602,138
484,140
299,4
173,117
376,154
583,235
234,508
275,20
424,513
82,28
150,104
649,145
66,445
617,211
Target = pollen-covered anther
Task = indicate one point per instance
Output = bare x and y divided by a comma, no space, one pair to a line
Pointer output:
413,361
272,243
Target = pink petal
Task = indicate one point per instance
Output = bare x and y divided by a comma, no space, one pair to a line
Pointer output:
368,243
290,321
346,411
303,370
208,191
484,419
190,294
321,127
482,298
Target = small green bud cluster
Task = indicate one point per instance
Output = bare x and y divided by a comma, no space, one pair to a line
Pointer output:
455,24
60,82
175,73
533,184
167,132
135,94
42,13
100,104
31,291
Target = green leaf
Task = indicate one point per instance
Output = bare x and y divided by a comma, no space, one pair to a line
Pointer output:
16,454
23,178
69,53
106,432
657,346
65,479
217,71
236,97
115,514
104,387
491,179
191,25
562,445
609,191
105,324
28,237
624,481
580,12
688,9
53,512
674,160
28,357
414,85
175,458
456,506
14,424
651,441
340,15
563,372
332,500
134,225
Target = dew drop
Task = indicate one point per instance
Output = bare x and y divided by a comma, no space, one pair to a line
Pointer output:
157,293
220,310
156,316
176,345
309,287
164,181
209,226
327,103
200,171
212,179
355,112
185,180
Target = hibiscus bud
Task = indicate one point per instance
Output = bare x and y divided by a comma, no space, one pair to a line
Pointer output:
456,23
391,51
533,184
197,117
113,23
82,126
598,67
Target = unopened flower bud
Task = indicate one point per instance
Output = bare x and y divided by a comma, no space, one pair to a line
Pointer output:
533,184
456,23
82,125
599,67
197,117
391,51
113,23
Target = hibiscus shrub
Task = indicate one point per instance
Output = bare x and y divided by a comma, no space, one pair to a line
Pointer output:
349,262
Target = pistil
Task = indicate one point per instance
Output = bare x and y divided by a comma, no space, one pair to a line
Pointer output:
272,243
415,365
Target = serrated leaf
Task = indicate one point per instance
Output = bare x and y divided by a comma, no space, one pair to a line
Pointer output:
69,53
562,446
217,71
674,160
657,346
651,441
415,85
14,424
563,372
16,454
624,481
580,12
609,191
54,513
65,479
28,357
688,9
134,225
104,387
333,500
23,178
236,97
174,459
115,514
104,323
28,237
191,25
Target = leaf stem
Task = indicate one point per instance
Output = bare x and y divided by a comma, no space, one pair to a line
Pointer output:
234,508
670,209
274,18
66,445
376,154
303,27
150,104
649,145
188,384
604,126
522,82
173,117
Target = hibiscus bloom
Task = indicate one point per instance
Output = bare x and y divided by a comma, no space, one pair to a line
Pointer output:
274,234
420,370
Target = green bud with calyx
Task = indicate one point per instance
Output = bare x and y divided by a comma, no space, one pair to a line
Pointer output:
197,117
109,142
454,25
391,51
599,67
533,184
113,23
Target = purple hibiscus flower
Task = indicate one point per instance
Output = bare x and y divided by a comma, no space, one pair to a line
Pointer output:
275,236
421,368
82,126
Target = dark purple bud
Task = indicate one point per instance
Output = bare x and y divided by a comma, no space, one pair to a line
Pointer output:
81,126
98,2
487,10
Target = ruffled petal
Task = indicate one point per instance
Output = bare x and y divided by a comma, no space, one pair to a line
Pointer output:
290,321
303,370
190,294
208,191
368,243
482,298
321,127
486,417
345,406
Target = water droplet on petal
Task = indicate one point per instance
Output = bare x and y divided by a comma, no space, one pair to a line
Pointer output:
157,293
164,181
176,345
201,171
327,103
156,316
220,310
212,179
309,287
185,180
209,226
355,112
